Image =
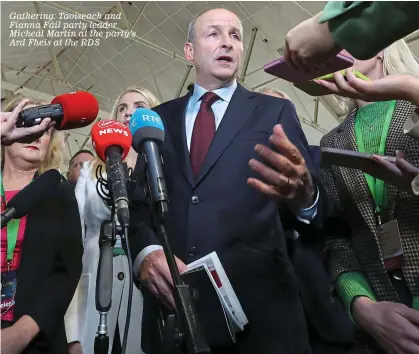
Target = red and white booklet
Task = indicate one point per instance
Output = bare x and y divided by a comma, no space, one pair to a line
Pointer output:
215,272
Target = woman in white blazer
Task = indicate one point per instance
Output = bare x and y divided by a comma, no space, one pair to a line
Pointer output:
82,318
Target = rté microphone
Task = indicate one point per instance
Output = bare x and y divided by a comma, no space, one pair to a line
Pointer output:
147,136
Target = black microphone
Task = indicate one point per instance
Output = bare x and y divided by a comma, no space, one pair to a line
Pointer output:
147,135
112,142
24,201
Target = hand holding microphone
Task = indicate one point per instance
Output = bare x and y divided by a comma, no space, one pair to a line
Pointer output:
112,142
68,111
11,134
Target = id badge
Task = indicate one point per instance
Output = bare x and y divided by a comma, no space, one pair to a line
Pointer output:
8,291
389,237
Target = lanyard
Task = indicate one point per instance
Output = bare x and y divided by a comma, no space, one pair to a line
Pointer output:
12,229
376,185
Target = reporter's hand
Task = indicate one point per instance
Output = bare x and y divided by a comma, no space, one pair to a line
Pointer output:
401,173
11,134
309,44
9,341
394,326
17,337
391,87
12,341
75,348
155,274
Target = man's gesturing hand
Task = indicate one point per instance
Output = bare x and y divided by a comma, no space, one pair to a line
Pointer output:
10,134
287,177
155,274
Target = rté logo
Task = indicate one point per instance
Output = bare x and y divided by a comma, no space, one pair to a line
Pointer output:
152,119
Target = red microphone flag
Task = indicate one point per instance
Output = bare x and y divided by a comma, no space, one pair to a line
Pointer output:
80,109
108,133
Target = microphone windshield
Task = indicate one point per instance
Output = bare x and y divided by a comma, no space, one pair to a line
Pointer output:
146,124
108,133
39,188
80,109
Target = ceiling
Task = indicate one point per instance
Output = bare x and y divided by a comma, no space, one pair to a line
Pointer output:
153,58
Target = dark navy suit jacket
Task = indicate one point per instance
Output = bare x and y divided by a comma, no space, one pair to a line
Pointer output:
218,211
315,153
330,329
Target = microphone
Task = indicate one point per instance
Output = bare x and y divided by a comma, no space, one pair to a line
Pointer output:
69,111
148,135
28,197
112,142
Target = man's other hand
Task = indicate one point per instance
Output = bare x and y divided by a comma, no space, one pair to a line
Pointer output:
155,275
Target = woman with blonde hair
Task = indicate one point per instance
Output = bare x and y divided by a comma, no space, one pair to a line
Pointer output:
41,253
375,264
82,319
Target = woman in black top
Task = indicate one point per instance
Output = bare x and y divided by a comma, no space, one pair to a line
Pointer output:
41,253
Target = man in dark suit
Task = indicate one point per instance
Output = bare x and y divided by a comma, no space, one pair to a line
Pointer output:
315,154
329,327
232,160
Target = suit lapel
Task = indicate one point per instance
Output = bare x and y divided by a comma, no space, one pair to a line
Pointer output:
177,129
238,112
354,179
395,136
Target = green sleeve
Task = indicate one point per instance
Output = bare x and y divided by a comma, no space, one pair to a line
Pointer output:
366,28
334,9
351,285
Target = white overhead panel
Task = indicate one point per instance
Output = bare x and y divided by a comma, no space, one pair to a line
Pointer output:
144,48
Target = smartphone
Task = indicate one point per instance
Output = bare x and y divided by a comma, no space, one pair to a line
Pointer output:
314,89
280,68
350,159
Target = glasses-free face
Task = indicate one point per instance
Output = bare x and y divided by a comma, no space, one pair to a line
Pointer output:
127,105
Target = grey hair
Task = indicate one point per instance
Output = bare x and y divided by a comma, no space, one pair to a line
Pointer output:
191,27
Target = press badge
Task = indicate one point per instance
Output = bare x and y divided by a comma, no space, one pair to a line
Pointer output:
389,237
8,291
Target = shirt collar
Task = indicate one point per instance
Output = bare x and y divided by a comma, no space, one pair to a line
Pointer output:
225,93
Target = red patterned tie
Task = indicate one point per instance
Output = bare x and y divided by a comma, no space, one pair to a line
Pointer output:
203,132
